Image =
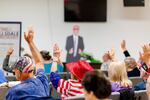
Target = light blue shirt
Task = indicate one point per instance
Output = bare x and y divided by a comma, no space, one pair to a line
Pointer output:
2,77
47,68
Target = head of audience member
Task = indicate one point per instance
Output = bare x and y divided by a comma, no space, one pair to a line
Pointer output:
23,68
117,73
96,86
76,30
106,57
46,55
78,69
143,70
28,55
130,63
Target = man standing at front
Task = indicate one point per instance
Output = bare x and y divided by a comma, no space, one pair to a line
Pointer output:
74,45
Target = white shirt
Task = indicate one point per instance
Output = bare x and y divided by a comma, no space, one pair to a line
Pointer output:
105,65
75,42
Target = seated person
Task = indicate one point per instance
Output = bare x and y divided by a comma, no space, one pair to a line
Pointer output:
30,86
71,87
143,75
118,77
108,57
145,58
2,77
96,86
6,66
106,62
131,65
48,60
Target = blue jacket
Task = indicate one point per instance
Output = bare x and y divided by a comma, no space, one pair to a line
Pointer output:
2,77
30,88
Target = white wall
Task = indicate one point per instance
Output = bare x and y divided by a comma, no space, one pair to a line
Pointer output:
129,23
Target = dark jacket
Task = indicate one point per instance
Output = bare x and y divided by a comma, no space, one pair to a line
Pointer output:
6,65
135,72
70,44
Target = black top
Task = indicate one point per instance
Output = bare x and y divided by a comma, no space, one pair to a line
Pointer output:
135,72
6,65
126,53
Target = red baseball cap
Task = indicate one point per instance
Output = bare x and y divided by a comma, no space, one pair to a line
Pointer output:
79,68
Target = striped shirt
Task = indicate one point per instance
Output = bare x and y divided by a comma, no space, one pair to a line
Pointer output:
69,87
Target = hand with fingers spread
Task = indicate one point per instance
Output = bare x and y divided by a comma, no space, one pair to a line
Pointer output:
145,56
112,53
56,51
28,35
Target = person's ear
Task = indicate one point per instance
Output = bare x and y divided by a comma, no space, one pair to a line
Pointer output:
18,74
91,94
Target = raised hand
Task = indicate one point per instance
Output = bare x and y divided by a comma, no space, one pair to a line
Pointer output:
28,35
10,51
123,45
145,56
56,51
112,53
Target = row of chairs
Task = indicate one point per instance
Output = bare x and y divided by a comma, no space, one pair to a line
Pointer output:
138,95
66,75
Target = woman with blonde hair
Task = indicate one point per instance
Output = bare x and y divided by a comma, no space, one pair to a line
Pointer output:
118,77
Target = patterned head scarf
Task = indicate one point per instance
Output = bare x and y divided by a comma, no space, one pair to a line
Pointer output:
23,64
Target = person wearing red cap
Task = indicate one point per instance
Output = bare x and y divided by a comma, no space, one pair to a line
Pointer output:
71,87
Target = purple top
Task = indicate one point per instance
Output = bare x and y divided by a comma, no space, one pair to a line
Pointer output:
116,87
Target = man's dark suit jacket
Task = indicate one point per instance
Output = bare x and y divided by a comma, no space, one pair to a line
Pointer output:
70,44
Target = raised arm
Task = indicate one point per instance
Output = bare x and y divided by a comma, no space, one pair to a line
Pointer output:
54,76
112,54
124,49
56,57
145,56
35,52
6,65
